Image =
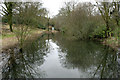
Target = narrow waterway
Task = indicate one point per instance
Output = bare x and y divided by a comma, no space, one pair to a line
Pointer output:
55,56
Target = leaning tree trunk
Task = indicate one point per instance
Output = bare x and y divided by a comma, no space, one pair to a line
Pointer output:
11,29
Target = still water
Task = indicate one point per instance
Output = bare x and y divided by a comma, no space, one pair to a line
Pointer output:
55,56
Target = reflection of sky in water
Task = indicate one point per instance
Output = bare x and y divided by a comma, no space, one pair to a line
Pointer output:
60,58
54,69
1,62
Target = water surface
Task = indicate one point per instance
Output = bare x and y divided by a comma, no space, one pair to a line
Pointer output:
55,56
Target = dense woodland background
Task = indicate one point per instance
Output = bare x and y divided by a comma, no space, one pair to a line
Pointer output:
87,20
76,24
76,20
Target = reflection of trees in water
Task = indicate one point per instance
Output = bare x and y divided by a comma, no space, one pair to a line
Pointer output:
84,55
23,65
78,53
48,39
108,66
73,54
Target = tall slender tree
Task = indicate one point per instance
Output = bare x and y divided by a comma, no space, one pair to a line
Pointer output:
104,9
8,13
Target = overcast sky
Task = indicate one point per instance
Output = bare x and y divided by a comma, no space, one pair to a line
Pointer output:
54,5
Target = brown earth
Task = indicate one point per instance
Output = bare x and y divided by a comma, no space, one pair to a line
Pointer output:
112,42
11,42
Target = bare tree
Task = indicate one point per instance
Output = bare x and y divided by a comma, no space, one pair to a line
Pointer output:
8,13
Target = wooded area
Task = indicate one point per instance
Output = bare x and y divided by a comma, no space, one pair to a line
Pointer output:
88,20
81,41
82,21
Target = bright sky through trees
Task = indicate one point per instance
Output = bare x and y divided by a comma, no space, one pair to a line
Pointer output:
54,5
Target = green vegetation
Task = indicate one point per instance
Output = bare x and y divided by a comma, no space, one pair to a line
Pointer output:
7,35
79,21
72,49
89,21
24,13
8,13
23,18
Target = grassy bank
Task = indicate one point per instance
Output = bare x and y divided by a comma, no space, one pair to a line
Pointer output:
9,39
112,42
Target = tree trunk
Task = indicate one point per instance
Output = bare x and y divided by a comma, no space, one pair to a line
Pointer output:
11,28
107,30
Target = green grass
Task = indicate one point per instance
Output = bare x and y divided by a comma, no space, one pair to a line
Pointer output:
112,41
7,35
10,34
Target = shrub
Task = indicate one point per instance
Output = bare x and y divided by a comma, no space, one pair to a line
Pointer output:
99,32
